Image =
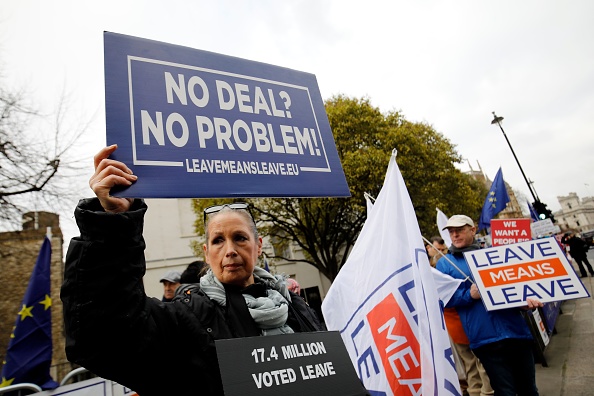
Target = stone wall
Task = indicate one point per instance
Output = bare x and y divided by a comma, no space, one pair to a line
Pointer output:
18,253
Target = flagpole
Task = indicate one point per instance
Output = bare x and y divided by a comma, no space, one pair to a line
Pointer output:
466,277
366,194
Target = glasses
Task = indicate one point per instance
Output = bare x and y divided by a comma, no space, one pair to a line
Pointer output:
234,206
461,229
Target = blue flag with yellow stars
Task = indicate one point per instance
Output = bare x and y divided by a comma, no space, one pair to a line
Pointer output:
29,353
533,212
496,201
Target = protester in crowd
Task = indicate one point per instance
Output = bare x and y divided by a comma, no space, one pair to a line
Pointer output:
578,249
293,286
476,380
500,339
158,348
170,283
193,272
437,246
191,277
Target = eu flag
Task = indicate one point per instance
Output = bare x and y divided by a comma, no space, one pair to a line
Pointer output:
29,353
533,212
496,201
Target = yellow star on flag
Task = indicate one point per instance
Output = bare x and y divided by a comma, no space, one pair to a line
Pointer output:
6,382
46,302
25,311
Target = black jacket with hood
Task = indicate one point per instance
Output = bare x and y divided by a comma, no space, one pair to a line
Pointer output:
117,332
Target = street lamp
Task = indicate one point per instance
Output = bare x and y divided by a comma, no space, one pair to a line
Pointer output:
540,207
497,120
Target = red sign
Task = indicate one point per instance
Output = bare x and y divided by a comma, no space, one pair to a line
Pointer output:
397,345
509,231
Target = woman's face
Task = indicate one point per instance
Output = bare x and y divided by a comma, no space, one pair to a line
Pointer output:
232,250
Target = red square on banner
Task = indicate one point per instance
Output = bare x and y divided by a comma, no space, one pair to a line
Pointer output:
509,231
397,344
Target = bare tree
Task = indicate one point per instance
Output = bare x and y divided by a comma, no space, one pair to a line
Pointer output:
37,162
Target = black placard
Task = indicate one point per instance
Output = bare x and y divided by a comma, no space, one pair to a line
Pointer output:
290,364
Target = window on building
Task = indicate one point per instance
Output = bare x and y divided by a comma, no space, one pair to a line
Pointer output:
568,206
578,223
282,245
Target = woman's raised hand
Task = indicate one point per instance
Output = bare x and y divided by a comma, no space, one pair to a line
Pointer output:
110,173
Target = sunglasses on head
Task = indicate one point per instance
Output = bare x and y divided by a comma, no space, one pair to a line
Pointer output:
234,206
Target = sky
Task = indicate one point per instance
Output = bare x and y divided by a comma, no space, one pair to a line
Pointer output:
448,64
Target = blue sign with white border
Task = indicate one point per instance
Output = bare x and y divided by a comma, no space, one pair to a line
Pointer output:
192,124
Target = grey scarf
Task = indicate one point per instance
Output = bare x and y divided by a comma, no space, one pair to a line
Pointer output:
469,248
270,313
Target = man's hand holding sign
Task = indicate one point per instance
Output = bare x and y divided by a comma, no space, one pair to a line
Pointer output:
516,275
531,303
501,339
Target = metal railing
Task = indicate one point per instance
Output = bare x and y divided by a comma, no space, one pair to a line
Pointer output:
72,374
17,387
35,388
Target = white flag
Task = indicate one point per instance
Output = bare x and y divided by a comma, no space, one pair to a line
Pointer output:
385,305
442,220
445,285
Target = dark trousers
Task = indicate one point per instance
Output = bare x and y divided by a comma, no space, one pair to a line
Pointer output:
581,260
510,366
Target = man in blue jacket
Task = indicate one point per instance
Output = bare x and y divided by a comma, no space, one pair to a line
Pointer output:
500,339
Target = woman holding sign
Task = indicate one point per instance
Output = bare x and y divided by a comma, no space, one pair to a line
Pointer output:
156,348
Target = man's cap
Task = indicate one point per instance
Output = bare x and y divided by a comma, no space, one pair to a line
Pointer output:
171,276
458,221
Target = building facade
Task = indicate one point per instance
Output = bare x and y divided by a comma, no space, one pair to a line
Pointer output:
169,234
576,214
18,253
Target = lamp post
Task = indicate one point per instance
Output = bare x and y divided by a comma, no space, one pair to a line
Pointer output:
540,207
497,120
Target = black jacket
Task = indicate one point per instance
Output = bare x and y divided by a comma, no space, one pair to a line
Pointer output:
117,332
578,248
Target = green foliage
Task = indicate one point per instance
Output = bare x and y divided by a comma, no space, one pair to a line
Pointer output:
326,229
365,138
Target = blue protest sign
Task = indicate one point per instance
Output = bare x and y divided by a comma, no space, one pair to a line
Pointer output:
508,275
192,123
